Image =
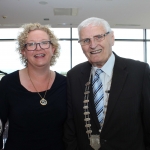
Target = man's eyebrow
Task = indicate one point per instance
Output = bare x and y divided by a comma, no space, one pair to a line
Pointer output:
84,39
93,36
97,35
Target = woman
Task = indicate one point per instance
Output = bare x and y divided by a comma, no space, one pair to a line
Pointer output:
34,99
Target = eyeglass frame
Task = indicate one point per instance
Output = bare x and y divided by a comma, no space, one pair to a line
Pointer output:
25,45
101,36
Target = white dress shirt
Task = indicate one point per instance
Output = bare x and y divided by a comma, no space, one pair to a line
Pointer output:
106,76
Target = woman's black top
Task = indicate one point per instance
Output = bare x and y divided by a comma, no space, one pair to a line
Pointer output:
31,125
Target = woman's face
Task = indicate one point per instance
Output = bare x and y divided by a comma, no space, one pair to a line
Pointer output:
40,54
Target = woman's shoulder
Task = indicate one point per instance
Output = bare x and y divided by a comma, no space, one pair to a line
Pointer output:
59,78
11,76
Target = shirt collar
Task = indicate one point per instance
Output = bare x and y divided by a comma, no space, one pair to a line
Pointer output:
108,66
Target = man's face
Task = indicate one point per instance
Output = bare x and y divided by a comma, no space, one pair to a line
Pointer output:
96,52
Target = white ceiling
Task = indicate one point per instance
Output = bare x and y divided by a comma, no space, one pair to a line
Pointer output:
119,13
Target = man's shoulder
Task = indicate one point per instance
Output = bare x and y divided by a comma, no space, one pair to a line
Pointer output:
130,62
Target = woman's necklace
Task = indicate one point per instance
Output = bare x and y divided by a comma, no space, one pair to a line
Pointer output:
43,101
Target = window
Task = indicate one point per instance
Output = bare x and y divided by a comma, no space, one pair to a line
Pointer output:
148,34
129,44
61,33
63,62
75,33
9,57
77,54
9,33
128,33
133,50
148,53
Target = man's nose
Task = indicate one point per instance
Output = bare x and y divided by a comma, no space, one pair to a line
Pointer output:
93,43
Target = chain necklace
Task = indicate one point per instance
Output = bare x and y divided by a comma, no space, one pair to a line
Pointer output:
94,139
43,101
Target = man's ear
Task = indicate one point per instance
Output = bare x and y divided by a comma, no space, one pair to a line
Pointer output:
112,40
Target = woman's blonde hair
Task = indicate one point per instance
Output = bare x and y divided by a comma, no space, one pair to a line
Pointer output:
27,28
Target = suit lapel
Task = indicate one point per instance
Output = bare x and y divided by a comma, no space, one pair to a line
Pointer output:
118,80
84,75
84,78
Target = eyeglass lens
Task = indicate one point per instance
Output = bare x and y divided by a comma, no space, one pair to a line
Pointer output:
33,46
96,38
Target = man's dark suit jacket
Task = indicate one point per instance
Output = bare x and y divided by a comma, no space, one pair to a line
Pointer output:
127,121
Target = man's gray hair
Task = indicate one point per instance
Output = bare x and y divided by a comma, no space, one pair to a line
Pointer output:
94,22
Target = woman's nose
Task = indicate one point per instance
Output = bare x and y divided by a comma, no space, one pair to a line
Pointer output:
38,47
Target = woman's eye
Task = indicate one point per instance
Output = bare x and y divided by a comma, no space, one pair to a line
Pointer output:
31,44
44,43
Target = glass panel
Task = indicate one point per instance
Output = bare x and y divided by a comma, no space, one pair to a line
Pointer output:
148,53
119,33
148,33
61,32
63,62
128,33
77,54
9,57
75,33
133,50
10,33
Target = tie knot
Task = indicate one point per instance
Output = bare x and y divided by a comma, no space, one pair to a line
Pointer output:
98,71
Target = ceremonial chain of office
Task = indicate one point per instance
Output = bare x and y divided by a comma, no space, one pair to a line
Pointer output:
86,108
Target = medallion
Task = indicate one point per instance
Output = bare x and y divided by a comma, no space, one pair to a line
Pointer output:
95,142
43,101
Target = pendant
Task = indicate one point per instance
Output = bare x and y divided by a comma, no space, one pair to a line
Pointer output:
95,142
43,101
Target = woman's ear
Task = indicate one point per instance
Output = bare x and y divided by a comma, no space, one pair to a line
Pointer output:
23,52
53,50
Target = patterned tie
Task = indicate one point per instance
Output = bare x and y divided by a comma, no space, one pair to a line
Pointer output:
98,95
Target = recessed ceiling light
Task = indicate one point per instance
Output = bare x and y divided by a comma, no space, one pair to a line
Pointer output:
43,3
46,19
4,17
63,24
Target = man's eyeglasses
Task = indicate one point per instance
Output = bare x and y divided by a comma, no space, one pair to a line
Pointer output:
97,38
32,46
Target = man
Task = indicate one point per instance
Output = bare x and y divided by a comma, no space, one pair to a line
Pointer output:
108,96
